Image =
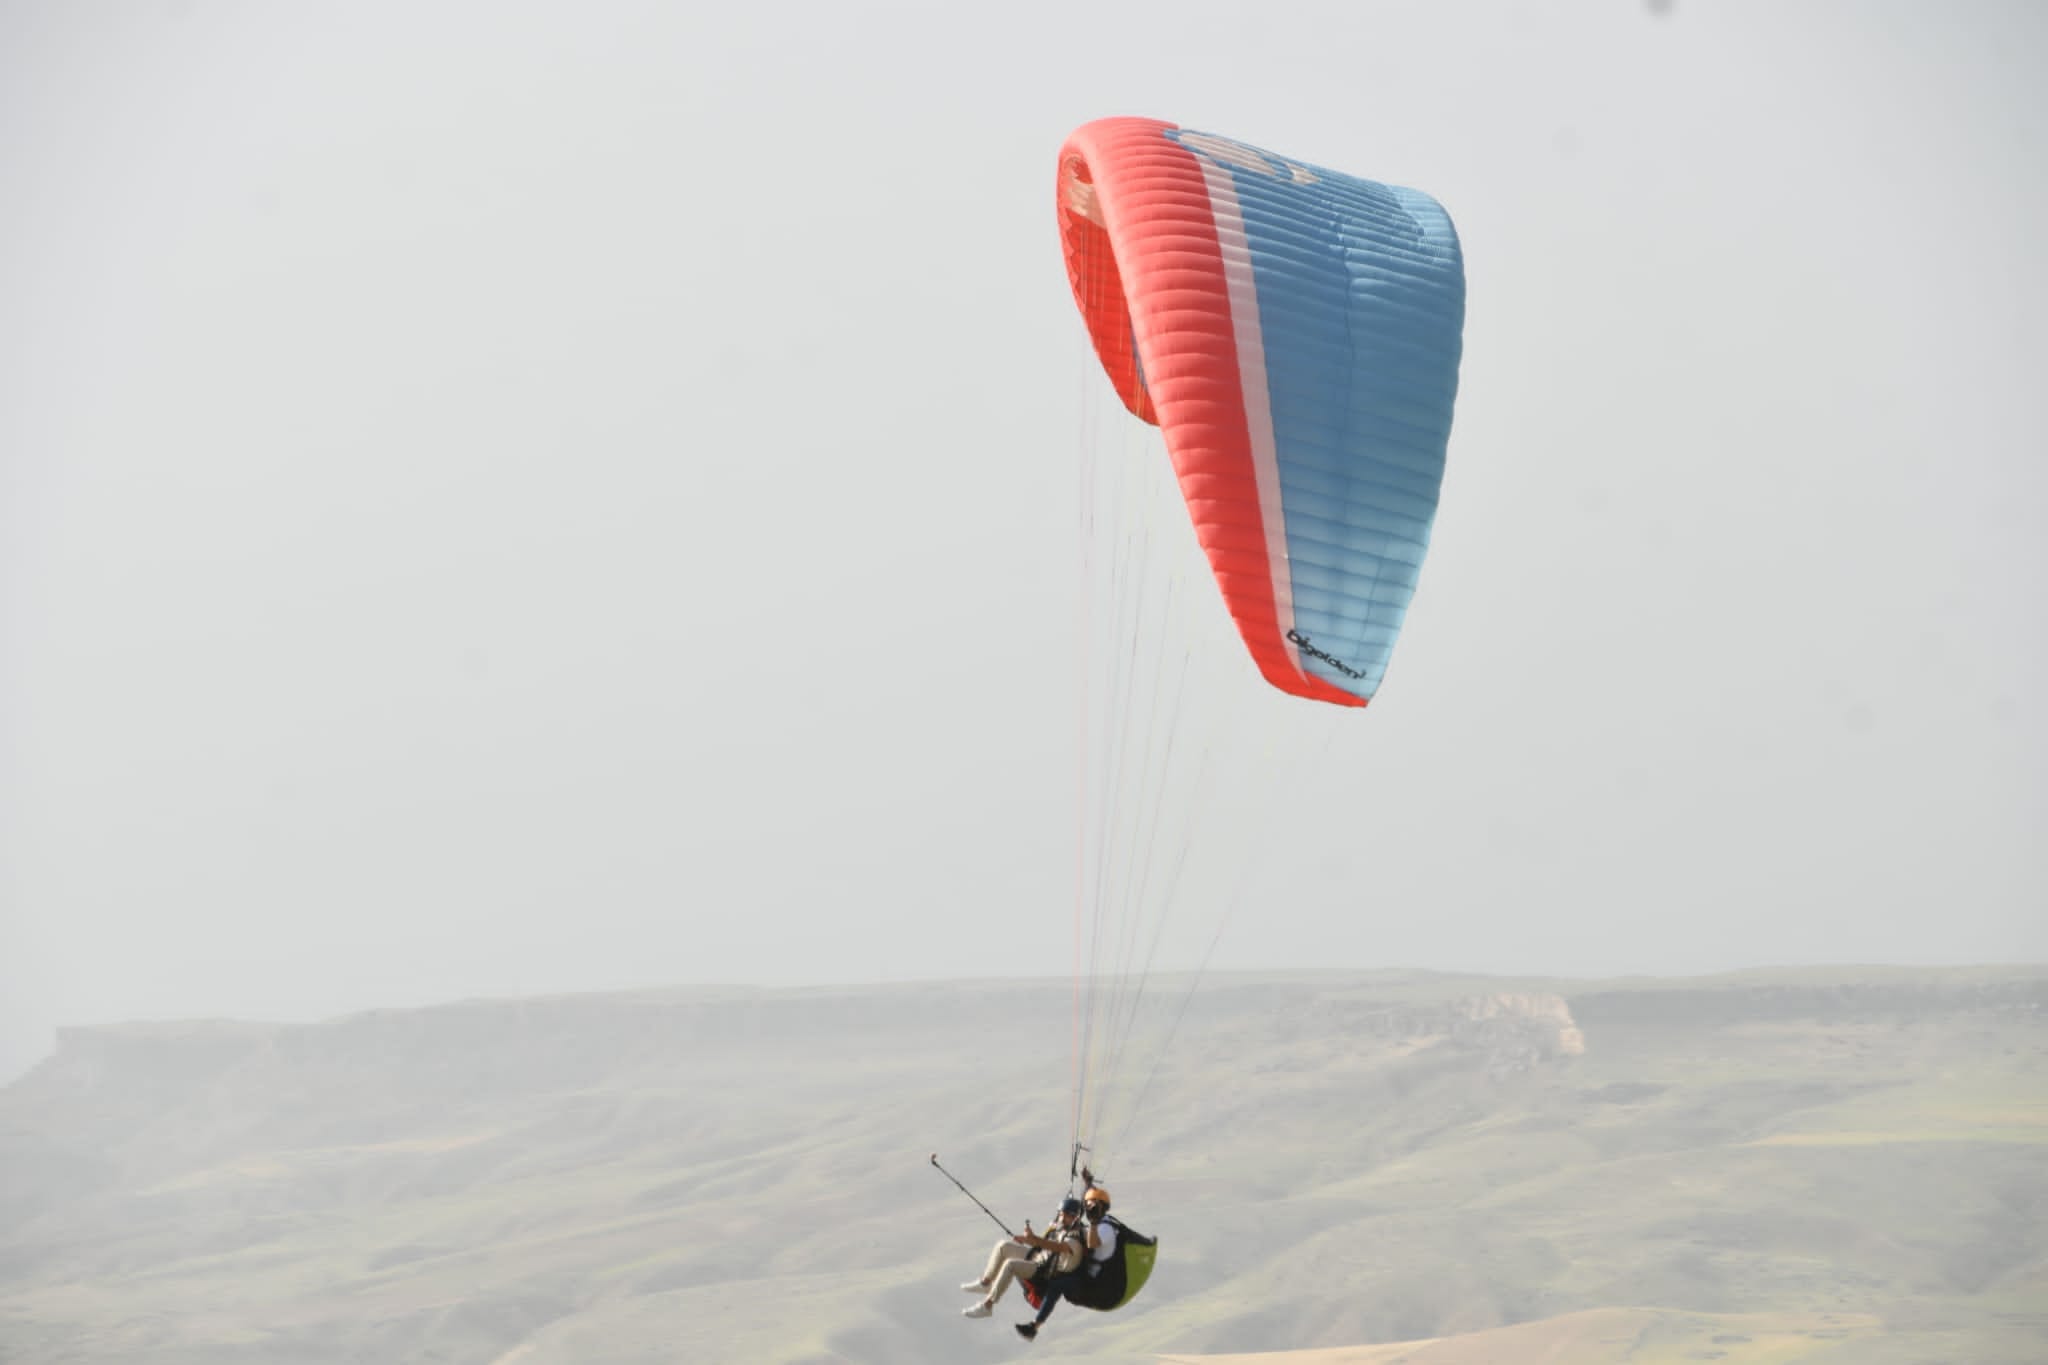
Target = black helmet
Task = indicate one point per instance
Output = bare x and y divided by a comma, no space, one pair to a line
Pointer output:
1070,1206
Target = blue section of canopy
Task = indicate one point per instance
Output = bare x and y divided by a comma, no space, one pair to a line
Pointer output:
1361,300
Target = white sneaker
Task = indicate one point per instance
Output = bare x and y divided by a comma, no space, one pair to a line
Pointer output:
979,1310
975,1287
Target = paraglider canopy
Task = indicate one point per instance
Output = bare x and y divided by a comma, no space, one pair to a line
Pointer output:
1295,332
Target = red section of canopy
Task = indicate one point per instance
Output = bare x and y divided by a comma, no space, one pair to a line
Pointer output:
1139,235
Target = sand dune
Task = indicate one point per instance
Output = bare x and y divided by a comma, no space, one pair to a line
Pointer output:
1601,1336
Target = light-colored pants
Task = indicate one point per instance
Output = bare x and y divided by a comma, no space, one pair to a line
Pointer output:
1009,1261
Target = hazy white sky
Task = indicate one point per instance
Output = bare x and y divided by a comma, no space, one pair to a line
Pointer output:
524,497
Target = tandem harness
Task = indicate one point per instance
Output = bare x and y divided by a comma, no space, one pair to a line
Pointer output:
1111,1283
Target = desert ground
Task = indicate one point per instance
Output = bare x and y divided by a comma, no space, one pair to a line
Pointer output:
1843,1165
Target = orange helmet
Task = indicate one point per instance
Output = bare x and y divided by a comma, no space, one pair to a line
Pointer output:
1096,1198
